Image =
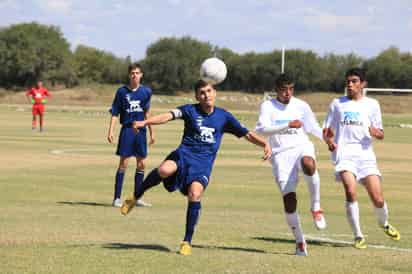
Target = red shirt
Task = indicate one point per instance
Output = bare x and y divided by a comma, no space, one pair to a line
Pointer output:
38,95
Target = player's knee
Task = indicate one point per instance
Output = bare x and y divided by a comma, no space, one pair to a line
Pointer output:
141,164
290,202
194,195
308,165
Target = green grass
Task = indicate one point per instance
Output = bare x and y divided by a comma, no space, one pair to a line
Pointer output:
56,189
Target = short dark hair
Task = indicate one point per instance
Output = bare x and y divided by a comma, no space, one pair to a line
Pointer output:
200,84
134,66
361,73
283,79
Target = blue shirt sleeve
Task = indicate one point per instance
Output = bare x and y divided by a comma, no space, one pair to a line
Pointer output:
233,126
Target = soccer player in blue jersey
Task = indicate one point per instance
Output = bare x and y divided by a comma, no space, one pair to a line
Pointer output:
188,168
131,103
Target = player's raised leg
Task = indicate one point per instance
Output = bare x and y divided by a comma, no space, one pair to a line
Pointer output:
374,189
311,176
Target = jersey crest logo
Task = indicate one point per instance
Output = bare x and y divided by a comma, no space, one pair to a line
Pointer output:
351,118
134,105
206,135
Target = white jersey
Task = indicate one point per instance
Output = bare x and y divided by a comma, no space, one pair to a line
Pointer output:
275,114
351,120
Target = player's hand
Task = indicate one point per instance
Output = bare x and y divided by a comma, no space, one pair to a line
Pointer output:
267,152
376,132
295,124
110,138
138,124
151,140
332,146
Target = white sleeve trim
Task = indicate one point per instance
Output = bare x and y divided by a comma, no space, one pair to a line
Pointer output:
177,113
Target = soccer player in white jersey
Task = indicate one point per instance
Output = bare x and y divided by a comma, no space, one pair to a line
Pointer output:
286,121
352,121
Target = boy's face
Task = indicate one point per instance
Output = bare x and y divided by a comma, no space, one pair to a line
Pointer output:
354,85
285,92
135,75
206,96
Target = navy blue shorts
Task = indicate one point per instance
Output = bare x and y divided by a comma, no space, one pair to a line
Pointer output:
131,143
190,168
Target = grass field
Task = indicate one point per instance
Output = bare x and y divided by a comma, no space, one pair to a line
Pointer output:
56,189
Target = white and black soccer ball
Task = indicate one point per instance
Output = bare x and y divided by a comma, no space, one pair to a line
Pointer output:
213,71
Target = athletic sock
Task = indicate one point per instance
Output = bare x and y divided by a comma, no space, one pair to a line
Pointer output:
151,180
294,224
382,214
192,217
118,184
352,214
138,180
313,183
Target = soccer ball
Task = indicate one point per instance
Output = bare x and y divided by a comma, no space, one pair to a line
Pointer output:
213,71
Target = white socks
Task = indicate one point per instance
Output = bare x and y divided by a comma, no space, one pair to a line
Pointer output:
294,224
313,183
382,214
352,214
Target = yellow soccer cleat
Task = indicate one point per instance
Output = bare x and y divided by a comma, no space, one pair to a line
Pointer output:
360,243
128,205
392,232
185,249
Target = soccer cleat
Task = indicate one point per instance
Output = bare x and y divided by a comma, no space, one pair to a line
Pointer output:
117,203
301,249
185,248
128,205
319,219
392,232
143,203
360,243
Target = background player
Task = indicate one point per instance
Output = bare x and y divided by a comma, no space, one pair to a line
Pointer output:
132,103
355,119
286,120
188,168
38,96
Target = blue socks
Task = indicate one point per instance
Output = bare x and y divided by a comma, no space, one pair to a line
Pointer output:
138,180
118,184
192,216
151,180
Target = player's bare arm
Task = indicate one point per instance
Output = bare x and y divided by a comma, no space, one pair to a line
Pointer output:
110,135
257,140
295,124
376,132
147,115
328,138
153,120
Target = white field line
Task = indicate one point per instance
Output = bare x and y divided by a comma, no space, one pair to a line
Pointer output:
71,150
334,241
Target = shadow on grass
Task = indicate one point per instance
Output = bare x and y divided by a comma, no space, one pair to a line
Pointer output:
319,242
80,203
235,248
121,246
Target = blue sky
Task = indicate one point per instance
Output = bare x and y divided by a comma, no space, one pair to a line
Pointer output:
126,27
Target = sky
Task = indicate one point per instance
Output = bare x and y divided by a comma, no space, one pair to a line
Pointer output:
125,27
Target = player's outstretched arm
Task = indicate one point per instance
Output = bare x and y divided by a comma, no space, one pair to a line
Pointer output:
257,140
154,120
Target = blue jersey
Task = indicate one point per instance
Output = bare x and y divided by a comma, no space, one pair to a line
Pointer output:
200,142
131,105
203,132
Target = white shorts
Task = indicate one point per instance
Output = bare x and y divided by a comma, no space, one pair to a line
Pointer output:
286,166
357,160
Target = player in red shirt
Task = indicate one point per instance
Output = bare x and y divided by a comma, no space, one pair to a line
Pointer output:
38,96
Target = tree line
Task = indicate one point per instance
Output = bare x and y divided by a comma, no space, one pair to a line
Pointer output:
31,51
